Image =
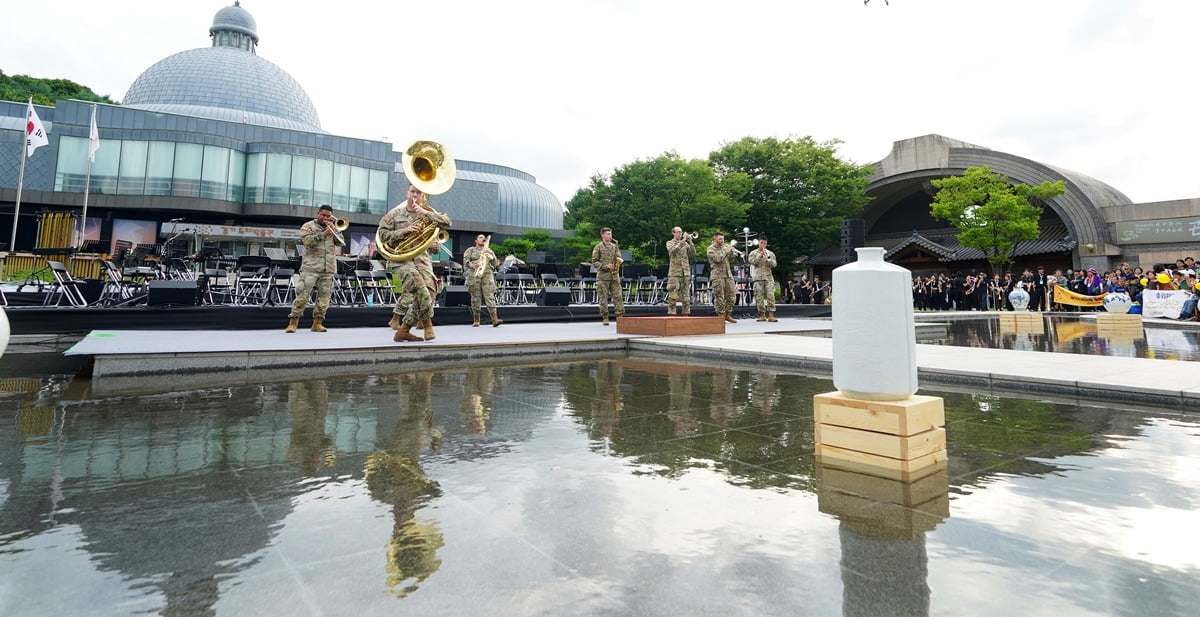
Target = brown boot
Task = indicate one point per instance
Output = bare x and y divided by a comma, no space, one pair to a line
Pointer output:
729,318
293,323
604,319
771,316
403,333
428,327
395,322
475,321
495,318
761,317
318,324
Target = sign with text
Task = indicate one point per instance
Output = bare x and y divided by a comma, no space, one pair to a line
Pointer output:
1158,231
1159,303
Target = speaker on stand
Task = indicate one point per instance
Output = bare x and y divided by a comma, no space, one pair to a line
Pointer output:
455,295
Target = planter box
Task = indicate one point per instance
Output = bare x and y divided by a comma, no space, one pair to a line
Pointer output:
671,325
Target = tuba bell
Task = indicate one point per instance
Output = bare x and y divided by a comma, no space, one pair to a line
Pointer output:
430,168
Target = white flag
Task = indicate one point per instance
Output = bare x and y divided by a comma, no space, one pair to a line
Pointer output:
35,134
93,138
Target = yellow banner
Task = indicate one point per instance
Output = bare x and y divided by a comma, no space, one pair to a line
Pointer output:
1062,295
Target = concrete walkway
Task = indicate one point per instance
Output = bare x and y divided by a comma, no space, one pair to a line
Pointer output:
125,357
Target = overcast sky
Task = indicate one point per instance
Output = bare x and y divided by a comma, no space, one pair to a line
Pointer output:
564,89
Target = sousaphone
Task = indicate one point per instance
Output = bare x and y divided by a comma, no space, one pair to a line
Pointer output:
430,168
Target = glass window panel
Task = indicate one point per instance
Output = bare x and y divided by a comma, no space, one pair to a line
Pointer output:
279,178
323,183
214,179
377,194
302,181
189,159
358,189
133,167
72,164
237,175
256,177
104,170
341,186
160,164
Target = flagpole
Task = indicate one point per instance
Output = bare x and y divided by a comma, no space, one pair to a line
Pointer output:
87,184
12,245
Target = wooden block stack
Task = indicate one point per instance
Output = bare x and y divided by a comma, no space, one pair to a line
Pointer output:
900,440
882,507
1118,326
1022,322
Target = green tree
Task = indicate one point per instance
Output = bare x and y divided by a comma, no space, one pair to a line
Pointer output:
45,91
643,200
799,191
992,214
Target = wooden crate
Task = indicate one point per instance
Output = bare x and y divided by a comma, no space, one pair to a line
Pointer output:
671,325
881,466
905,448
910,493
916,414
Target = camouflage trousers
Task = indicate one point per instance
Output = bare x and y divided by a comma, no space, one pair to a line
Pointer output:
764,296
483,291
607,289
679,289
723,291
324,284
416,302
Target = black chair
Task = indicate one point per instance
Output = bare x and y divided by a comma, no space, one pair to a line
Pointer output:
253,279
64,287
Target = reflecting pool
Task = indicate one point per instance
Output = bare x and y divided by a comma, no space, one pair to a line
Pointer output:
624,486
1066,334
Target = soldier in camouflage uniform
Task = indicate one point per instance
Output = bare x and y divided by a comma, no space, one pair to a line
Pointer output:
680,249
416,276
481,284
721,276
317,269
608,274
764,281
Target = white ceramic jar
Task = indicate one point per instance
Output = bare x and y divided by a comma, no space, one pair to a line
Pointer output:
874,338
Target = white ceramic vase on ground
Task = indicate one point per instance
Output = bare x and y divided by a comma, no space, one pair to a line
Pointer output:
874,337
1019,299
1117,302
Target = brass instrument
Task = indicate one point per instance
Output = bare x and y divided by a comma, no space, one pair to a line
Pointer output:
340,224
693,235
733,247
617,258
483,258
430,168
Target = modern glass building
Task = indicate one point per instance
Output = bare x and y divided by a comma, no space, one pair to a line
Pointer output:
231,145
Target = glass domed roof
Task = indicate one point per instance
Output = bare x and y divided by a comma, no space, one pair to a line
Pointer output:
227,81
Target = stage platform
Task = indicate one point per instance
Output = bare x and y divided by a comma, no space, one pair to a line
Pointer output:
71,320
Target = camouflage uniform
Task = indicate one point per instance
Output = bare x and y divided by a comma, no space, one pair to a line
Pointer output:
679,276
608,279
415,276
721,277
318,268
764,280
482,287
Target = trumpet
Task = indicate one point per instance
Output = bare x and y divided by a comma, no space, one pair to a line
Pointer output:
693,235
340,224
733,247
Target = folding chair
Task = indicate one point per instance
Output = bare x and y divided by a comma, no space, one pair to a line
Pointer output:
385,290
116,288
282,287
64,286
216,288
253,279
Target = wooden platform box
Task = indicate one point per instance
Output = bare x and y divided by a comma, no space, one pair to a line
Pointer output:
936,485
904,448
1022,322
671,325
1119,320
916,414
881,466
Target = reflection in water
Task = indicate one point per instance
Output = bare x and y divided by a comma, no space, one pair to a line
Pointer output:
394,476
423,492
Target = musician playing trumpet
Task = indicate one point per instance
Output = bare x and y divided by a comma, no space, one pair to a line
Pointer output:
416,275
479,264
606,259
680,250
320,241
721,275
764,262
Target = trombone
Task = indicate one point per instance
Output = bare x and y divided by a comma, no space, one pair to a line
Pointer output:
340,224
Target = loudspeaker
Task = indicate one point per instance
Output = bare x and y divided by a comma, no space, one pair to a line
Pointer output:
554,296
853,236
184,293
455,295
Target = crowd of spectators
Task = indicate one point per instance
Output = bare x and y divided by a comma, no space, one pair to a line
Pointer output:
979,292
